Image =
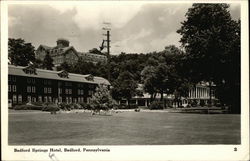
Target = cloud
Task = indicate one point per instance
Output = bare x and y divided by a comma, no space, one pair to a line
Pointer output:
93,15
235,10
136,27
170,39
133,43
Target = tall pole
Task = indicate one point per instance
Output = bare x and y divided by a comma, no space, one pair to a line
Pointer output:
107,28
108,53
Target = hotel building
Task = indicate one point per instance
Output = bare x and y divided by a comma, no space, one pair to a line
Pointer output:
28,84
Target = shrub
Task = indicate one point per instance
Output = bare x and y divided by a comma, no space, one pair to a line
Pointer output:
37,103
50,108
27,107
85,106
202,103
128,106
64,106
218,104
156,105
101,99
194,103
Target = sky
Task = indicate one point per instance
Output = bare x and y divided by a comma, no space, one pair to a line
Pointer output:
135,27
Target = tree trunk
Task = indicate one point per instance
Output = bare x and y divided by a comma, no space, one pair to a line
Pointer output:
161,96
154,96
151,98
128,102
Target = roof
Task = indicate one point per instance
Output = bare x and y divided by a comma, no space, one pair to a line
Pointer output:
45,47
62,39
48,74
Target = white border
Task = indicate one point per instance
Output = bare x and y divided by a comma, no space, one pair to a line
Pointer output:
163,152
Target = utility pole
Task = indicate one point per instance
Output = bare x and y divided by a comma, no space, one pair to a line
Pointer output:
108,46
108,53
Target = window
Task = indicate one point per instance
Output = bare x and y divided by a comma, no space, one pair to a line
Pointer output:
70,99
49,82
14,88
14,79
33,89
90,92
50,99
45,99
45,90
45,82
29,99
66,91
9,78
40,99
28,89
67,99
33,81
88,100
33,99
59,90
14,98
9,88
60,99
20,98
49,90
82,92
70,91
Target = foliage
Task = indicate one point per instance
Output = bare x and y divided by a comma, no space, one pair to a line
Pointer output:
38,63
20,52
156,105
64,106
28,107
51,108
101,99
133,106
95,51
47,62
124,86
85,106
212,42
149,81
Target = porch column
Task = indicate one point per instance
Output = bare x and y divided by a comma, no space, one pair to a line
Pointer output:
136,101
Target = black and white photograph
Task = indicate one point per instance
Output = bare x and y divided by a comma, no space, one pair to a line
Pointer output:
88,76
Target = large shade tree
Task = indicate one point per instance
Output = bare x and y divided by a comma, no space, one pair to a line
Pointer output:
124,87
20,52
208,37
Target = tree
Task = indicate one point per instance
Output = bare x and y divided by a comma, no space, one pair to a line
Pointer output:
47,62
207,36
101,99
38,63
162,75
20,52
124,87
95,51
64,66
148,75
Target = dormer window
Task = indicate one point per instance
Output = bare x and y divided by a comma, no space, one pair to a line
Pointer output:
63,74
30,70
90,78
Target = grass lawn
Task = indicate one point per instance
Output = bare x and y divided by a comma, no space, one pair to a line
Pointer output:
126,128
